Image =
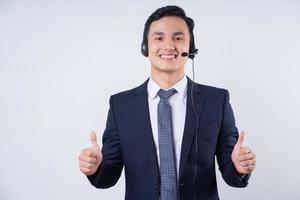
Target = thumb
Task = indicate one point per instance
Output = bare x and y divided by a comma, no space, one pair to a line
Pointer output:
241,139
94,143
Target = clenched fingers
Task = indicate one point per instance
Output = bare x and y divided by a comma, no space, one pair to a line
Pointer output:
247,163
90,152
85,170
245,157
87,159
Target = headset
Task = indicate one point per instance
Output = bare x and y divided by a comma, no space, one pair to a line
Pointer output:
191,54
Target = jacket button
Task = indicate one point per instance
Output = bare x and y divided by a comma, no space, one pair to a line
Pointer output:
181,184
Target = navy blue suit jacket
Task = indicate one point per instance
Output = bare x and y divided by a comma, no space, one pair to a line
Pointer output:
128,141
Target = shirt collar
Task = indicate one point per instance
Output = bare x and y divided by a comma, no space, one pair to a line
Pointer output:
180,87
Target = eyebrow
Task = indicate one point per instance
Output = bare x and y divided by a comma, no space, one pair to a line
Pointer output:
162,33
157,33
178,33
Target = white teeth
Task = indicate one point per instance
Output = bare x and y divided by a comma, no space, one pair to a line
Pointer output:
168,56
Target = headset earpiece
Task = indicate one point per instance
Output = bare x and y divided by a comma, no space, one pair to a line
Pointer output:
144,48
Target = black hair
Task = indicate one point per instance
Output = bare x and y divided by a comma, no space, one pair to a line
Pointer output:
163,12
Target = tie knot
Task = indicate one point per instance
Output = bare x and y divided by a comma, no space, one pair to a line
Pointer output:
163,94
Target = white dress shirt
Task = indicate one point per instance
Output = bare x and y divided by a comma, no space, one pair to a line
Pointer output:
178,104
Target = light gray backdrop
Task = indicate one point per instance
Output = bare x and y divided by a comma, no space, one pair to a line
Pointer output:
61,60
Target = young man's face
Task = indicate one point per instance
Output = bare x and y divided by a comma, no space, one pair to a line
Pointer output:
168,37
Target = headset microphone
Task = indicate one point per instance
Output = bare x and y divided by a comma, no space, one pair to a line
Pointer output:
192,54
184,54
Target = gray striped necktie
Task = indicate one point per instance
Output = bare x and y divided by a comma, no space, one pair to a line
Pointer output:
169,188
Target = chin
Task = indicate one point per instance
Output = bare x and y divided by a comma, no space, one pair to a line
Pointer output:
168,69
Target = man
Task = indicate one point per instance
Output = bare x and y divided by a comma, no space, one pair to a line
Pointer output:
167,131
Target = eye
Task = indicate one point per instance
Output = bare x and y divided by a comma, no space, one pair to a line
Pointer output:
158,38
178,38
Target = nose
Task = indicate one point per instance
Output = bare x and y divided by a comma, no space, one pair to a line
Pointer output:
169,44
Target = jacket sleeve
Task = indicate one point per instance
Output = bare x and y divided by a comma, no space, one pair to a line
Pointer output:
228,137
109,171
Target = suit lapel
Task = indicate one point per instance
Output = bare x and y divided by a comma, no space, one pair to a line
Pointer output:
190,122
141,105
142,111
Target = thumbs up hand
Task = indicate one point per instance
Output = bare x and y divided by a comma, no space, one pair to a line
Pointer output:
90,158
242,157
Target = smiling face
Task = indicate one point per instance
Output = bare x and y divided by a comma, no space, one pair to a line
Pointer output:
168,37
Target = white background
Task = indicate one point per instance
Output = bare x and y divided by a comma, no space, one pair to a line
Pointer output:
61,60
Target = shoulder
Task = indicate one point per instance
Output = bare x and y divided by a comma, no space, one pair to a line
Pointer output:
212,94
127,95
207,89
212,91
215,98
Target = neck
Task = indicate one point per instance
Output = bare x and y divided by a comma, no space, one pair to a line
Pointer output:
166,80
